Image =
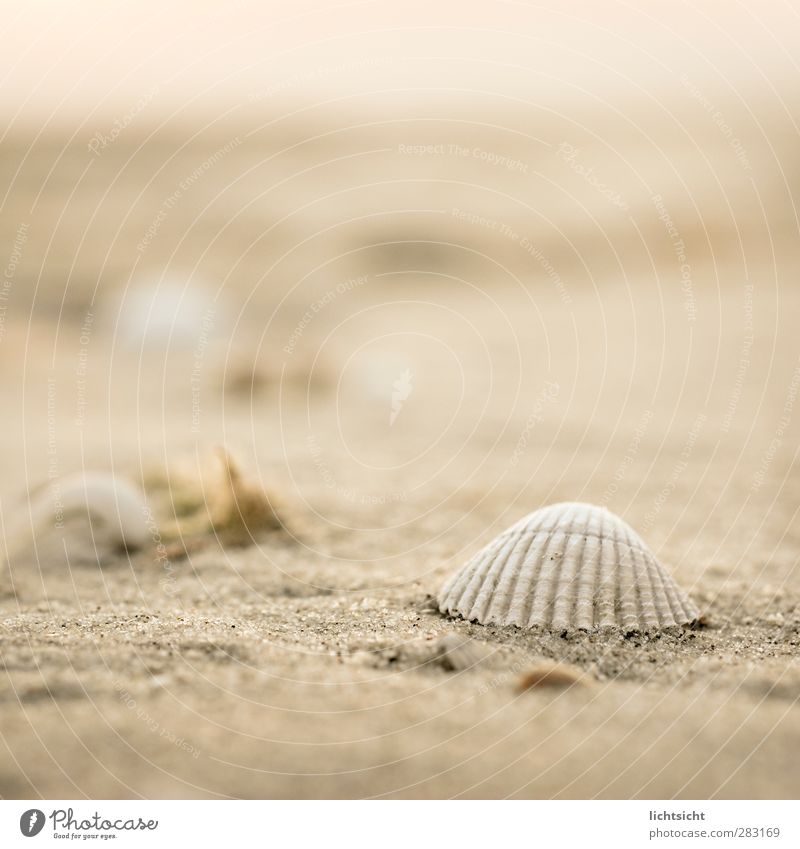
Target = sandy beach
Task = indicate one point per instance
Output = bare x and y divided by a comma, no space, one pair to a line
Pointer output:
411,324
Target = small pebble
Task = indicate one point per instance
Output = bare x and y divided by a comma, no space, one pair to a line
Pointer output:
549,673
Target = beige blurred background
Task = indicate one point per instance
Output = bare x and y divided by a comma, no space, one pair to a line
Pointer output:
423,268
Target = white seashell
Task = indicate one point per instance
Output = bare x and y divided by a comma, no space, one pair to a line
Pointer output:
114,508
568,566
166,314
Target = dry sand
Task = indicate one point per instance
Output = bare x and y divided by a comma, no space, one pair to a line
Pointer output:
309,666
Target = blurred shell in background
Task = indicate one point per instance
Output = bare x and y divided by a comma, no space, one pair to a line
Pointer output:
569,567
165,314
83,519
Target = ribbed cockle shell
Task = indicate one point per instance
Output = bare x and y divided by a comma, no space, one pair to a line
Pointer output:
567,567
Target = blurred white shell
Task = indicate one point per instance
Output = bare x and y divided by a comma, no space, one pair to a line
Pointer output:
567,567
107,513
164,314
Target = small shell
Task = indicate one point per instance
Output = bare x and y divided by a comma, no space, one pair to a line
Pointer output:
114,508
567,567
457,653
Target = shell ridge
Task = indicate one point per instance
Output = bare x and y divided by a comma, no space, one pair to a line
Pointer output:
448,588
566,594
522,600
642,548
542,602
638,595
607,586
686,608
583,520
462,587
491,579
630,596
587,585
514,584
672,595
452,587
570,519
664,608
468,592
618,591
500,606
480,559
648,610
572,614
